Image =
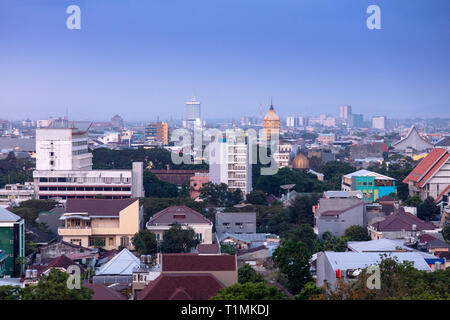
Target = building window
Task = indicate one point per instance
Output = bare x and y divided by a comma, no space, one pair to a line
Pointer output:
124,242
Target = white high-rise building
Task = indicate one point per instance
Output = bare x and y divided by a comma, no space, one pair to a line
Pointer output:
64,169
229,161
290,122
345,112
62,149
193,113
379,123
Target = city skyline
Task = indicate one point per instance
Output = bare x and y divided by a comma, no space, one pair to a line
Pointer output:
311,59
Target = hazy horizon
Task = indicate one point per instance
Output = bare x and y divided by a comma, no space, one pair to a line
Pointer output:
143,59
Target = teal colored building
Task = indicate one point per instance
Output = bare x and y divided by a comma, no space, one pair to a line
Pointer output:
372,185
3,257
12,243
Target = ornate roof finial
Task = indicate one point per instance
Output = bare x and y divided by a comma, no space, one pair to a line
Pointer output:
271,104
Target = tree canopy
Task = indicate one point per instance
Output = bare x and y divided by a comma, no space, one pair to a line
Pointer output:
356,233
292,259
54,287
247,274
178,240
249,291
399,281
145,242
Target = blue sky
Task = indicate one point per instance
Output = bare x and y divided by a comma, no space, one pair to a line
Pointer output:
143,58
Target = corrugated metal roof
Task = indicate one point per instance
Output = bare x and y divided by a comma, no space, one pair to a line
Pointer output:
356,260
379,245
122,264
367,173
8,216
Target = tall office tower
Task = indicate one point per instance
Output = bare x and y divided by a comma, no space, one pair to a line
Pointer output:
151,132
193,113
301,121
62,149
345,112
290,122
157,133
162,133
379,123
355,121
64,169
271,124
229,161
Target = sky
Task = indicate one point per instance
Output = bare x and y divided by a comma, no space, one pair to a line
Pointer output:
146,58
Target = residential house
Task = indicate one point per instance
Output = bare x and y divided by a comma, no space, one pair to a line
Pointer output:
372,184
53,250
223,267
197,182
255,257
102,292
431,177
336,214
105,223
117,270
186,217
34,272
182,286
213,248
235,222
331,266
400,225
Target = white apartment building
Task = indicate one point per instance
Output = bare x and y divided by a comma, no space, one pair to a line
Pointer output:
295,122
62,149
64,169
230,161
14,194
379,123
345,112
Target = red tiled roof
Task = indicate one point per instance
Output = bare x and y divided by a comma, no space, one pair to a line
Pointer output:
182,286
109,254
424,238
428,166
181,262
180,214
60,262
446,190
401,220
102,292
208,248
98,207
386,198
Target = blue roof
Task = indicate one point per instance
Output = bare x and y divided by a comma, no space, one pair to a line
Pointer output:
8,216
